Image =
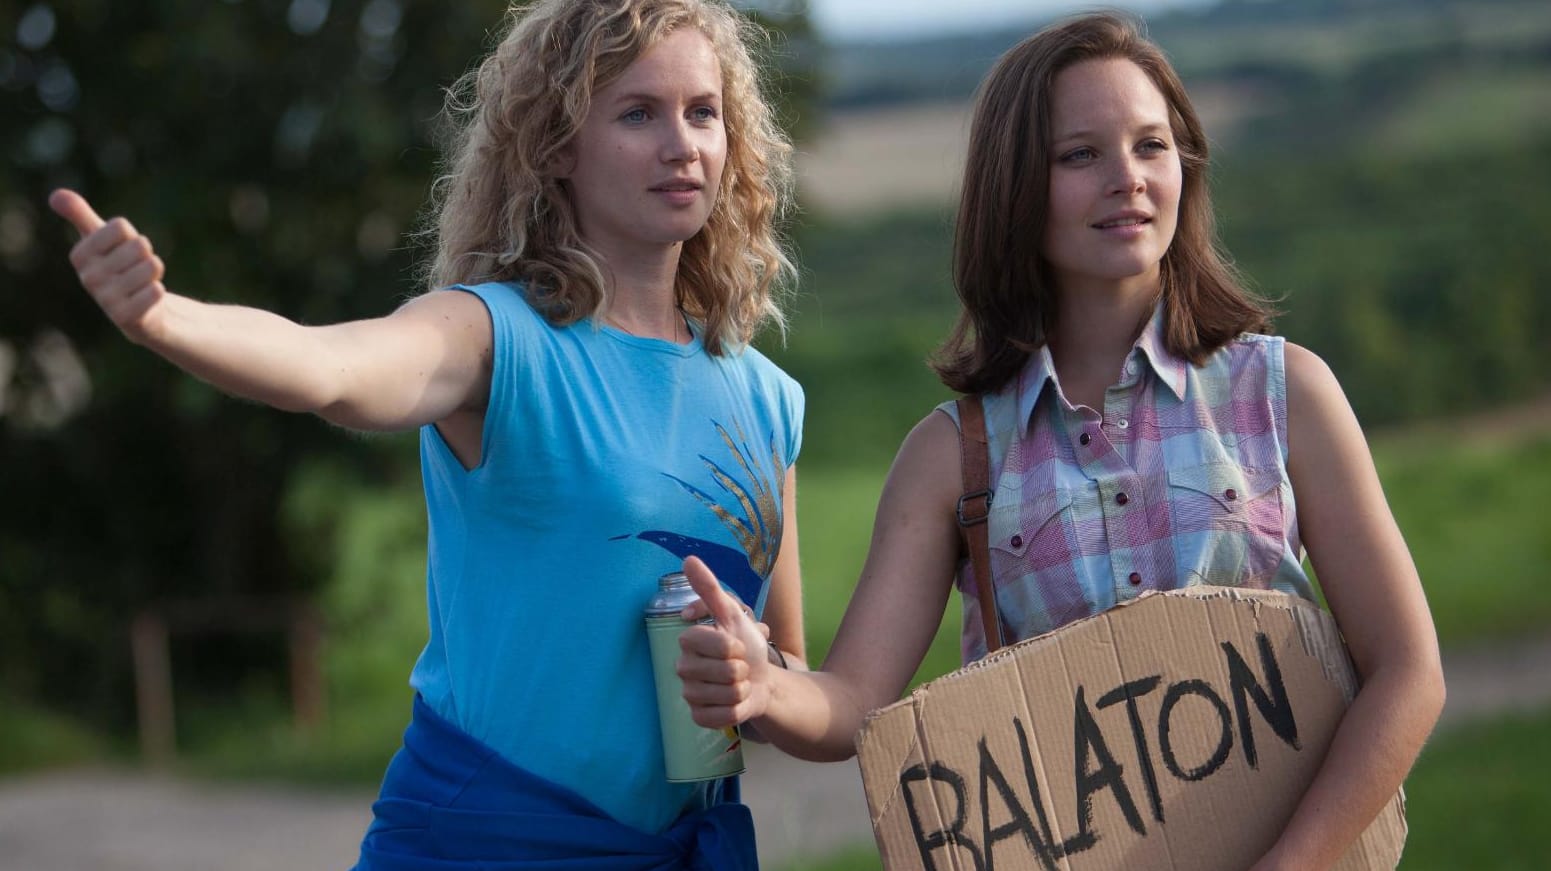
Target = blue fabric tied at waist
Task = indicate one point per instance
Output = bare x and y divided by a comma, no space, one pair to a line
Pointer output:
450,802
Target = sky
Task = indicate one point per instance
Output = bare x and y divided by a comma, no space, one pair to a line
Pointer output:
884,19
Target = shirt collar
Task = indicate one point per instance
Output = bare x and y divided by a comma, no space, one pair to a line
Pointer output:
1170,369
1031,383
1150,346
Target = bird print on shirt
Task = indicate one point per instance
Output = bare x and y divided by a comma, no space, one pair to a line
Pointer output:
755,524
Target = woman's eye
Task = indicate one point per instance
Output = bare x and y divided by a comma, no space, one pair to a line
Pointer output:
634,116
1154,145
1077,155
703,113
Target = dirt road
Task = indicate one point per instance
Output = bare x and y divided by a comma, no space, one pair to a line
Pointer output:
99,820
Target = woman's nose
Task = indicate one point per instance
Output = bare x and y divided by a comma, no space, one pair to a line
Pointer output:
1128,178
680,146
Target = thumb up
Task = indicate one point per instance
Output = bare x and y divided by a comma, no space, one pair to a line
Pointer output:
724,666
74,208
116,265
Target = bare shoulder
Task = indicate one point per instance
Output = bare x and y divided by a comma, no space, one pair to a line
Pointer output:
458,316
1322,429
1308,376
457,307
1314,396
933,432
931,442
927,465
454,328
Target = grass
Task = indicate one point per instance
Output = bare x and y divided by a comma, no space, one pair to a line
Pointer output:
837,510
32,739
352,748
1478,798
861,858
1467,110
1472,518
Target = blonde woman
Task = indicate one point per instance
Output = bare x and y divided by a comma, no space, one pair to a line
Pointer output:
589,412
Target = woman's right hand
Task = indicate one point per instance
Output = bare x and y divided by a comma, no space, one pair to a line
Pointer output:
117,266
724,667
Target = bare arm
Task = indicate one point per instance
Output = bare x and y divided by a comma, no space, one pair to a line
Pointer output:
1372,586
416,366
888,625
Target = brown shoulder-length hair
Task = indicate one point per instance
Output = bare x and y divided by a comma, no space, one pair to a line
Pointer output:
501,214
1007,291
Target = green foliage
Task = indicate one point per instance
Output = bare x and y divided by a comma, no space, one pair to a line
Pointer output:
33,739
1479,538
1287,41
373,601
282,185
792,61
1462,110
1333,38
1416,278
1380,195
1477,798
372,538
874,302
279,155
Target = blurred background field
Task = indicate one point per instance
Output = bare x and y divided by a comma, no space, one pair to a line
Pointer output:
1382,170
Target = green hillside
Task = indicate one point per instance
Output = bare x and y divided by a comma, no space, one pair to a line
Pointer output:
1382,180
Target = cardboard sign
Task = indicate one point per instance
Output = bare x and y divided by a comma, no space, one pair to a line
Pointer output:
1174,732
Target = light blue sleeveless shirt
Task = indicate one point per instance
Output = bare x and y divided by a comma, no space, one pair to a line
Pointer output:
607,458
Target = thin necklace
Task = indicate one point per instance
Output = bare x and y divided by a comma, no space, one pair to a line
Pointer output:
682,319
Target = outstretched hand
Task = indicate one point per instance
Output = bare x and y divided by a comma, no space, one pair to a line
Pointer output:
116,265
724,667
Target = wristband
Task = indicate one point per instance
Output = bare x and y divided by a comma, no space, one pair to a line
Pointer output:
776,657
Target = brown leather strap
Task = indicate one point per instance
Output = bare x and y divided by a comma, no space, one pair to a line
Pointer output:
973,510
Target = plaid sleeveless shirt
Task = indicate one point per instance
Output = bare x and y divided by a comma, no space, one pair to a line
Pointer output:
1180,479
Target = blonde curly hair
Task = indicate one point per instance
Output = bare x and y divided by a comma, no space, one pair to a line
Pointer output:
500,214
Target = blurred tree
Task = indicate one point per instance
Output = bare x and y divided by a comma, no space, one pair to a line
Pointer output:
794,64
278,152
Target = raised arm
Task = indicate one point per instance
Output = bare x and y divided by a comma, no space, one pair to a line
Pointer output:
1372,586
895,611
416,366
